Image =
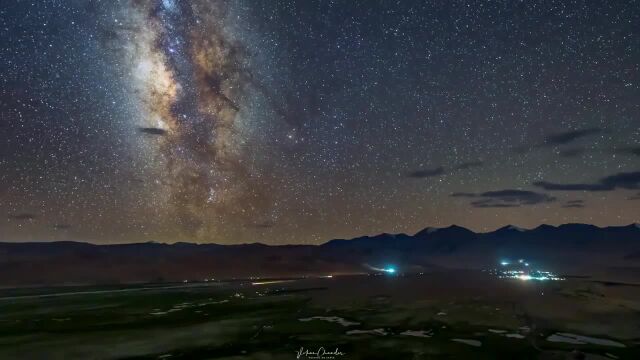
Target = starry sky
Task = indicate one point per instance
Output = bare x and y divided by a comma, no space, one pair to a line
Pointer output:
301,121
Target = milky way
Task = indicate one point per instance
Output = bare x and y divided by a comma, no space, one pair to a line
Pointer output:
191,77
292,121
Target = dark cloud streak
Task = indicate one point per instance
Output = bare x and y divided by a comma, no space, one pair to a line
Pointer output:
22,217
489,203
628,180
152,131
567,137
573,204
505,198
426,173
560,139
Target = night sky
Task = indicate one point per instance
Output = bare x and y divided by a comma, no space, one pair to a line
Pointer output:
302,121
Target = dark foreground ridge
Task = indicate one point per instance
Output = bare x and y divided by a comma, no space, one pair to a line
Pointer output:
567,248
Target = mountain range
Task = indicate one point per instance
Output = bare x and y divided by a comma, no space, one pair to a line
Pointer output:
569,248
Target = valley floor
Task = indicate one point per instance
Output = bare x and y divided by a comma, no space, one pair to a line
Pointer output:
446,315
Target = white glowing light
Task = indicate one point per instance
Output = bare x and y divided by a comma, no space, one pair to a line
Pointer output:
269,282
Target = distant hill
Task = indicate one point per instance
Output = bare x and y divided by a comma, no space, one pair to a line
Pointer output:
566,247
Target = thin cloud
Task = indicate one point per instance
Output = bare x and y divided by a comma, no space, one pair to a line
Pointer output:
571,187
628,180
426,173
560,139
573,204
440,170
488,203
567,137
22,217
507,198
152,131
524,197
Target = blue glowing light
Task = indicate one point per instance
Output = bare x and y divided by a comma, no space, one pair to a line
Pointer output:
390,270
504,263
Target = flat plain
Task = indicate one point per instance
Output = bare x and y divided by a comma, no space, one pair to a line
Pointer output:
440,315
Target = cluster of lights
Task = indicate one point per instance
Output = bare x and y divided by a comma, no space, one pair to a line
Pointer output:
527,275
532,275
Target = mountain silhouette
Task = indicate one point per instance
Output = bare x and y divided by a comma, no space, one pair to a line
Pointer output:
567,247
